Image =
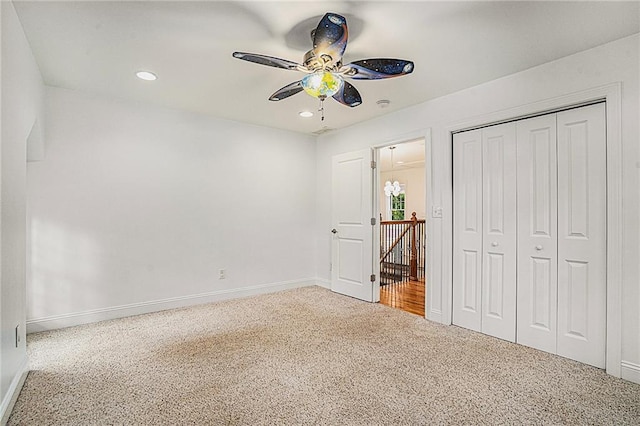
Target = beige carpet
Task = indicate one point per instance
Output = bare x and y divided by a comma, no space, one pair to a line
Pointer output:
305,356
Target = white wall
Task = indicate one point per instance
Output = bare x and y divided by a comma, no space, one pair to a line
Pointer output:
413,179
614,62
21,108
137,208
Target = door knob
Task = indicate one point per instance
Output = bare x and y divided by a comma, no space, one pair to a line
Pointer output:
538,248
334,231
494,244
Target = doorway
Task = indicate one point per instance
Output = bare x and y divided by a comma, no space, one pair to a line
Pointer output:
401,206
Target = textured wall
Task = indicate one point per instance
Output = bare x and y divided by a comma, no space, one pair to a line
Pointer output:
136,205
414,182
22,93
610,63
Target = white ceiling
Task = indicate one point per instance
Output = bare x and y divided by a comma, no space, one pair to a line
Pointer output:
406,155
98,46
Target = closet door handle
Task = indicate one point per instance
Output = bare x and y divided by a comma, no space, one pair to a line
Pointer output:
538,248
494,244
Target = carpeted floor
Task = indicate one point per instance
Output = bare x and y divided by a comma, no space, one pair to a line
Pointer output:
305,356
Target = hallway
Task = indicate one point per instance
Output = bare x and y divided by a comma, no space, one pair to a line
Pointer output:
408,296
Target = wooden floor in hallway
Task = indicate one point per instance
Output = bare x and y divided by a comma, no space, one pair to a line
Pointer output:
408,296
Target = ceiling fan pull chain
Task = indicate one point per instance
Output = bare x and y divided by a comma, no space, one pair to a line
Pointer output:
321,109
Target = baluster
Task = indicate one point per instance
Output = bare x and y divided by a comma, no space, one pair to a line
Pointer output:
394,253
423,247
414,250
398,254
421,250
382,245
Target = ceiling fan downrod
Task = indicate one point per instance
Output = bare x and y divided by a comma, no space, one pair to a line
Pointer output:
321,108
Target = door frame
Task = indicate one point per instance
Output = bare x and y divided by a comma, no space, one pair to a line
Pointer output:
611,94
419,134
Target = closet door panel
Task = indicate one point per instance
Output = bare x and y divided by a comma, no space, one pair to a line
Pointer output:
499,236
582,234
537,233
467,229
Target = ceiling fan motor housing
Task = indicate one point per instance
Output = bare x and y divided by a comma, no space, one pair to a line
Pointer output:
314,63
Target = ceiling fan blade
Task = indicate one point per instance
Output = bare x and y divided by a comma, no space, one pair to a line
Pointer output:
269,61
375,69
330,38
348,96
286,91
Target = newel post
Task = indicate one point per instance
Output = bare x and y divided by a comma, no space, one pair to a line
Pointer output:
413,260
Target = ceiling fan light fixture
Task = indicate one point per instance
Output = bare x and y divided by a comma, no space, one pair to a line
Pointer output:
322,84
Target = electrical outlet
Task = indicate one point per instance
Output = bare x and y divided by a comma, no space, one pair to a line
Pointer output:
223,274
17,335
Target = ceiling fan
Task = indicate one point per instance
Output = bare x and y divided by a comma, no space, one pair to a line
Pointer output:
324,68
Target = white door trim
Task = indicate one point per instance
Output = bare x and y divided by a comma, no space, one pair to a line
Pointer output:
611,94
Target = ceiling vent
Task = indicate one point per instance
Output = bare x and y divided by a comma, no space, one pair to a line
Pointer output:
322,131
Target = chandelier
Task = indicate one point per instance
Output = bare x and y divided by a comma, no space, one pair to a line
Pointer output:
392,188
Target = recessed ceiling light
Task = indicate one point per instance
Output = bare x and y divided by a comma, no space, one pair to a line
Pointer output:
146,75
305,114
399,162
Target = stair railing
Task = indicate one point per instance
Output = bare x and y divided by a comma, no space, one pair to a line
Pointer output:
402,247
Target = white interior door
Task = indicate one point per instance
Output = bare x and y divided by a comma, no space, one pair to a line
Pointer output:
582,234
352,241
499,236
537,233
467,229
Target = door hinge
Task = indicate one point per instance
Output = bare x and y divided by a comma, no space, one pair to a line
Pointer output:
373,164
373,221
373,278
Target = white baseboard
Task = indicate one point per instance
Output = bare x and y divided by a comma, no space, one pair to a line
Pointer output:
323,283
11,396
630,371
113,312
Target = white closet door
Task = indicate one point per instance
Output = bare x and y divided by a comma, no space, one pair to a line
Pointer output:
499,237
467,225
582,234
537,233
